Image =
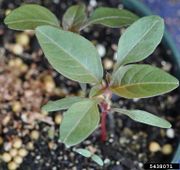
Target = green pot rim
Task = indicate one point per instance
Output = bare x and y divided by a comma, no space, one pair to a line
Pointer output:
142,10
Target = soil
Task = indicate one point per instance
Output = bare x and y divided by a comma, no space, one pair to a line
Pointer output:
27,81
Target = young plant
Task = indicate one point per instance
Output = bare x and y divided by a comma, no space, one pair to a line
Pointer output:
77,59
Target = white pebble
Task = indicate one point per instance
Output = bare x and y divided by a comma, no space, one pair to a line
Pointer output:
101,50
93,3
136,100
115,56
170,133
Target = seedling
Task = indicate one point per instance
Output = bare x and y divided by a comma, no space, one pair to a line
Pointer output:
77,59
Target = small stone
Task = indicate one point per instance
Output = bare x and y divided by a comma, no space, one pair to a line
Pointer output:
107,161
52,145
22,152
127,132
16,106
101,50
18,159
6,157
30,146
17,49
7,12
17,143
49,84
22,39
1,140
45,113
23,68
167,149
122,140
108,64
12,166
34,135
136,100
154,147
58,119
115,56
93,3
13,152
7,146
170,133
6,120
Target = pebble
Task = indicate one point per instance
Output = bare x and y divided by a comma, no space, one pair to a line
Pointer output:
22,39
18,159
101,50
123,140
6,157
1,140
13,152
154,147
107,161
17,49
7,12
58,119
52,145
34,135
17,143
115,56
49,84
108,64
30,146
12,166
93,3
7,146
16,106
6,120
170,133
127,132
22,152
167,149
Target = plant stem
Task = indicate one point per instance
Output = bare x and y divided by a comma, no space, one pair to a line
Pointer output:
103,126
105,107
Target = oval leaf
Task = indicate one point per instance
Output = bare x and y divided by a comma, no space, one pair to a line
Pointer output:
84,152
112,17
79,122
96,90
144,117
61,104
70,54
140,81
97,159
74,17
140,40
28,17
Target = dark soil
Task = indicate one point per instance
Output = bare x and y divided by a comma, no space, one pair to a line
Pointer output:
27,81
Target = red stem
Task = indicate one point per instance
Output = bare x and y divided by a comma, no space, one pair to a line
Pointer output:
104,109
103,126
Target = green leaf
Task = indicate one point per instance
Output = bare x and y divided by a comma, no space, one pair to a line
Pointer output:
84,152
141,81
144,117
61,104
112,17
79,122
97,159
28,17
74,17
70,54
140,40
96,90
